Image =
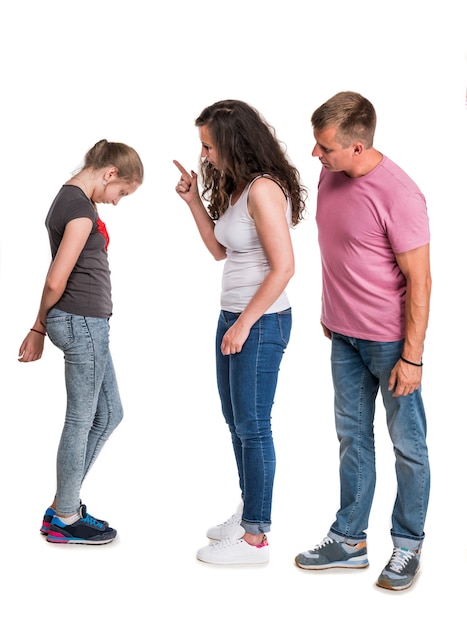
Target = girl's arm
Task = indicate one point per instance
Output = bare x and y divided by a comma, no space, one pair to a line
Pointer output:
74,239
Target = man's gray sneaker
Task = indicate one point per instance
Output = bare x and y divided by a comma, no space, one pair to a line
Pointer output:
400,571
330,553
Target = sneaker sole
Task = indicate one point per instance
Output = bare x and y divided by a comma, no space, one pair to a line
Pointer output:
386,585
358,564
234,562
53,538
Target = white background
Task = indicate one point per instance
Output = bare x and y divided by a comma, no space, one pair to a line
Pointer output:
140,73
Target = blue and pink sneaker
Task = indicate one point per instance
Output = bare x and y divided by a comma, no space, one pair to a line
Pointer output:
49,514
86,530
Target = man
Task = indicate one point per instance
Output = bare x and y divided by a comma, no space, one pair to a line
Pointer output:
374,237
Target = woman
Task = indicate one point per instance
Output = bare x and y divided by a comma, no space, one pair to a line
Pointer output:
74,311
254,195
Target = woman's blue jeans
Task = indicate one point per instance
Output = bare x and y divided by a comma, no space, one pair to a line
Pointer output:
93,408
247,384
360,368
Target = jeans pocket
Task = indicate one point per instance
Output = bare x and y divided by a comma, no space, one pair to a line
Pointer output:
285,325
60,330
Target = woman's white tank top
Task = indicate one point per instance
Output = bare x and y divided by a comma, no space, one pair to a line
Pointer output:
246,265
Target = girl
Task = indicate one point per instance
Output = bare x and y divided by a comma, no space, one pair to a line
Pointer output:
74,311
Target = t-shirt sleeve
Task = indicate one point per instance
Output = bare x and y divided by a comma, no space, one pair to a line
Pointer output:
78,208
408,225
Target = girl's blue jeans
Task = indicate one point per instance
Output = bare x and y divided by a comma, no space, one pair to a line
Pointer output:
93,408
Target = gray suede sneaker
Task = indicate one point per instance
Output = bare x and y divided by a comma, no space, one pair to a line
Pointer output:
400,570
330,553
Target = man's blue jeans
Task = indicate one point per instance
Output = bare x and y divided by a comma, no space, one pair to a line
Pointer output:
359,369
247,384
93,408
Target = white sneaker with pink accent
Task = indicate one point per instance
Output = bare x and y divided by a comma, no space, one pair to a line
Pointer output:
234,552
230,529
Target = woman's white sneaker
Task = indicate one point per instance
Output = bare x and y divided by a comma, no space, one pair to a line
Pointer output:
234,552
229,529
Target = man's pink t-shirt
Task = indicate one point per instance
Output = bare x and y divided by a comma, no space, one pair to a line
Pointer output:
362,223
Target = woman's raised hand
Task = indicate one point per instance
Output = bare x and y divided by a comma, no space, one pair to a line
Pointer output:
187,186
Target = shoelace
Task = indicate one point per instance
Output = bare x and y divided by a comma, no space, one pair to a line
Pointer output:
233,520
399,559
92,521
324,542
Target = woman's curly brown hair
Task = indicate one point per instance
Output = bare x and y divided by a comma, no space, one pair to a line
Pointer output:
247,147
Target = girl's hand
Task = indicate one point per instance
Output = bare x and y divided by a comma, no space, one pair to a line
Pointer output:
32,347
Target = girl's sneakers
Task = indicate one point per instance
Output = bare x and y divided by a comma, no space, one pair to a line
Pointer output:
86,530
48,515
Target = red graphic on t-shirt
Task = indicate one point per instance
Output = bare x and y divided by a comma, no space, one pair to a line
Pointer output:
103,231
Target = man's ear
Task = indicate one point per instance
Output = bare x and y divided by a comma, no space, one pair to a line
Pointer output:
357,148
